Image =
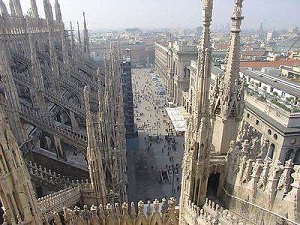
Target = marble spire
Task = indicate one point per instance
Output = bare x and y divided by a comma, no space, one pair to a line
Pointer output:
79,38
58,15
228,96
94,156
196,162
86,41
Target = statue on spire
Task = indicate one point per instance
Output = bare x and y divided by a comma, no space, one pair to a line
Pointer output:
238,8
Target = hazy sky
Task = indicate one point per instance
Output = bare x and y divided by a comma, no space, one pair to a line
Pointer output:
173,13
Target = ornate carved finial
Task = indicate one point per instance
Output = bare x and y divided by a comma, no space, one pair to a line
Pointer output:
117,210
172,203
238,8
149,210
140,207
109,210
94,211
85,214
125,208
132,210
101,212
84,20
67,216
17,8
56,218
156,205
20,221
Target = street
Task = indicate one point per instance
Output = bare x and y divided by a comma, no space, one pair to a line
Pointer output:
154,167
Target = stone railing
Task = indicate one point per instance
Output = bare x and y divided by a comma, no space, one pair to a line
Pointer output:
151,213
56,202
51,178
210,213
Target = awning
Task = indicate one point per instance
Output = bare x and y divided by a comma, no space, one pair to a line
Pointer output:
177,118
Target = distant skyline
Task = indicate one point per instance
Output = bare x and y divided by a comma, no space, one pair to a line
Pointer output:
117,14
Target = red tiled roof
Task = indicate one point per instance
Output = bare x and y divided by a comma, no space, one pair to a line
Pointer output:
274,64
252,53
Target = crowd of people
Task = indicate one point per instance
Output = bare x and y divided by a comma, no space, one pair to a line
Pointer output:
153,121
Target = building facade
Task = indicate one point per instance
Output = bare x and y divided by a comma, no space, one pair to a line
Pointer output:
125,66
171,63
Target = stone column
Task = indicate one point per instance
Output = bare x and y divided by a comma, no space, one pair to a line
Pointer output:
255,177
59,150
74,123
271,188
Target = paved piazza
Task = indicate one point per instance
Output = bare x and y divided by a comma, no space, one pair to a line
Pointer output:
151,164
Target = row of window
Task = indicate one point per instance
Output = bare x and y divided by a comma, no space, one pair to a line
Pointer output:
275,136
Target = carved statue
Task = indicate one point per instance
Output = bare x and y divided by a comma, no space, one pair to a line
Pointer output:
238,7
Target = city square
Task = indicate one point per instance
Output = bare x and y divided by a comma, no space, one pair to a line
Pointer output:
156,163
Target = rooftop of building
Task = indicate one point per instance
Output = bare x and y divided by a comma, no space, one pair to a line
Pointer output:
271,122
291,68
280,83
274,64
184,47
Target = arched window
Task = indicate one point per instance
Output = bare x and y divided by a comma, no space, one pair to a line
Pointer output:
288,155
186,72
297,157
271,151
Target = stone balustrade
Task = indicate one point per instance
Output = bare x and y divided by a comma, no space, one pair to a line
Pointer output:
51,177
56,202
151,213
210,213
